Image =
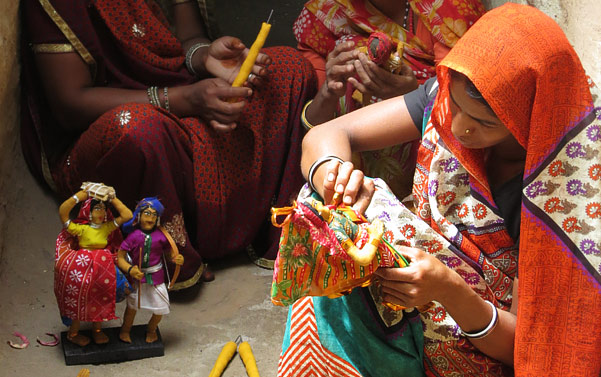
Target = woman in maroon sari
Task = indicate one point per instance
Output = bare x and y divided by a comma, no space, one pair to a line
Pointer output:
114,93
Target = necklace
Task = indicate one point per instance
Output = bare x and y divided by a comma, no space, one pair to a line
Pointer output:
407,8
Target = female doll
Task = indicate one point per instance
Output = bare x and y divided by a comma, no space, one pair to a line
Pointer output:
84,270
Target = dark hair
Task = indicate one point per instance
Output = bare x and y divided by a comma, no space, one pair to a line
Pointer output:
95,202
471,89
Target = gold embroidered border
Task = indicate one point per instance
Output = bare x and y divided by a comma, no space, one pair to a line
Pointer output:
190,282
52,48
70,35
261,262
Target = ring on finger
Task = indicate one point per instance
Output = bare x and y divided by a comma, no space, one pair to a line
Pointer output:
251,76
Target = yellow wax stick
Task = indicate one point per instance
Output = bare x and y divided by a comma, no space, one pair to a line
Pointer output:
248,63
248,359
223,359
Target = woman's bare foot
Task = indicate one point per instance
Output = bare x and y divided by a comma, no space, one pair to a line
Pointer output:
76,338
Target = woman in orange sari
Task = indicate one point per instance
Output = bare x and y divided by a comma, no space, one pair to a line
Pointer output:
508,178
331,34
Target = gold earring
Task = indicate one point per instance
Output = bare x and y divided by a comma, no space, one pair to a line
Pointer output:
467,130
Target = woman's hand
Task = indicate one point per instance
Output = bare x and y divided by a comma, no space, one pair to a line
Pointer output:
348,183
225,57
339,67
208,99
425,279
378,82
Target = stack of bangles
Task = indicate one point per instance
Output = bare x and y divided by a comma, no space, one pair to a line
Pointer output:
320,161
153,97
488,329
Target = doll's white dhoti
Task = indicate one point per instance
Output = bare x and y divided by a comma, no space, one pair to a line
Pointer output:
154,298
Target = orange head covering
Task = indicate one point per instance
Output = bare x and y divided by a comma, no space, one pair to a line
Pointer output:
526,69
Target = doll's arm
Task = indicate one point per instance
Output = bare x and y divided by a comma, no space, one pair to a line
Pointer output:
124,212
67,206
126,267
176,257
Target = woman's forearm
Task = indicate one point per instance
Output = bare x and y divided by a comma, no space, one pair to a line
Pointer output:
473,314
373,127
323,107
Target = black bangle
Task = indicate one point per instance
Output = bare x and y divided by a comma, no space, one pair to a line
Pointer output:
129,269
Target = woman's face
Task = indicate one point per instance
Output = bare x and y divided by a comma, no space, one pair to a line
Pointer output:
148,219
98,213
474,124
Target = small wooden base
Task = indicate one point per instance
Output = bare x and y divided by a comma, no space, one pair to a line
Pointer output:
115,350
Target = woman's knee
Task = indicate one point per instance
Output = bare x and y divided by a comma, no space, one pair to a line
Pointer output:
136,123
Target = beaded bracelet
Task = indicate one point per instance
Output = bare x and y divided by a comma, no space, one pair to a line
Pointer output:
488,329
317,164
166,97
153,96
190,53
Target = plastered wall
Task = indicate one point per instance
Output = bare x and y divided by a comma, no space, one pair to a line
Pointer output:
9,96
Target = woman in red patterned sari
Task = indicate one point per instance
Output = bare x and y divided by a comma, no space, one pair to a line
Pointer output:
332,32
507,179
113,95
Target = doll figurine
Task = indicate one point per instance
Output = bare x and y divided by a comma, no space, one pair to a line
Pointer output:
145,247
85,275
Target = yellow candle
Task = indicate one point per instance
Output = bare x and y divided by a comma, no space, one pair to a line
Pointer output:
248,63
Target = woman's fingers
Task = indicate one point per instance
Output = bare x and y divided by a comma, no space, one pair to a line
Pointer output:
342,51
365,195
329,182
221,127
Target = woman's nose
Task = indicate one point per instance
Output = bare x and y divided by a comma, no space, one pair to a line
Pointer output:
461,124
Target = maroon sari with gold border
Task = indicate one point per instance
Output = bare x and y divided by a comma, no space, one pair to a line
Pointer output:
217,189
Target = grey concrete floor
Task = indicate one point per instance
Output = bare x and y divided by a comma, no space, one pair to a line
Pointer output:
202,319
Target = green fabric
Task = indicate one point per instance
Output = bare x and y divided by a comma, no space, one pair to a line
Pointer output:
347,328
146,257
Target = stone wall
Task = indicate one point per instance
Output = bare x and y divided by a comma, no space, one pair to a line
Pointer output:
9,97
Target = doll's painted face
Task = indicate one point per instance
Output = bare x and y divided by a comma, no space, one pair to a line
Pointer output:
98,213
148,219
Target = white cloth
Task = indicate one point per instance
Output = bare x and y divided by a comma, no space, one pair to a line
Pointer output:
154,298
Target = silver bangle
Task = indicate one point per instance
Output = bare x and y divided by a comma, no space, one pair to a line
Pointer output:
76,199
190,53
317,164
488,329
66,224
